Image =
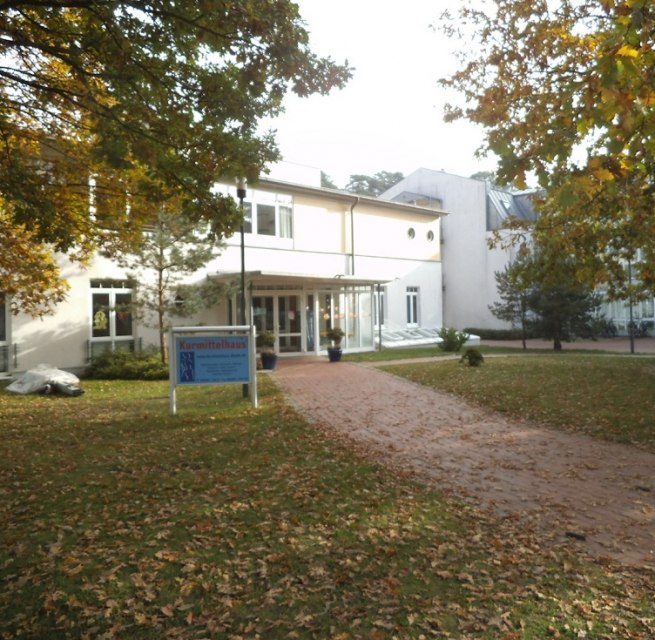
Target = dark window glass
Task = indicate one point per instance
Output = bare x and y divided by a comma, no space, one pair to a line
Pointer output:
123,314
3,320
263,318
266,219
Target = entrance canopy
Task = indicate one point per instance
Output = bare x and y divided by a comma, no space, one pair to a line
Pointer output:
272,278
299,309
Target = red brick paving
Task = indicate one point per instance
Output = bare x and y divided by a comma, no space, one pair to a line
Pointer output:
569,484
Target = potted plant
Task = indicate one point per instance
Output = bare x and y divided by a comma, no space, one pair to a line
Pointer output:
335,335
266,346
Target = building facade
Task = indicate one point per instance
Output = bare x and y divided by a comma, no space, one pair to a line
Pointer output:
313,258
476,210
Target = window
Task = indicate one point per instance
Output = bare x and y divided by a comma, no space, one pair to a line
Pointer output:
378,307
412,306
111,316
266,220
411,234
268,214
3,319
286,221
247,217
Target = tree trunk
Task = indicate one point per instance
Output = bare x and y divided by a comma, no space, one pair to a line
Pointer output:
160,314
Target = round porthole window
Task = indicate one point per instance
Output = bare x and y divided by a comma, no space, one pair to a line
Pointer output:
430,236
411,233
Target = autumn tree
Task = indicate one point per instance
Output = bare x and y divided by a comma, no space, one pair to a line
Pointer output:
373,185
566,93
125,104
28,271
172,249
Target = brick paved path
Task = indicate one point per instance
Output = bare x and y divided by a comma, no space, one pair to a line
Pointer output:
570,483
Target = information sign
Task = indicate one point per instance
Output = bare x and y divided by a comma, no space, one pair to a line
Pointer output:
212,355
212,360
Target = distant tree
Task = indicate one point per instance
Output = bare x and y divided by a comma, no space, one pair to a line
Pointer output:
373,185
544,285
487,176
172,249
326,181
514,289
564,311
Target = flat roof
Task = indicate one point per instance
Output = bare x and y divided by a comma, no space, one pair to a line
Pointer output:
346,196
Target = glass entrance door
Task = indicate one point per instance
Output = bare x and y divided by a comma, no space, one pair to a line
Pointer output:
280,314
289,325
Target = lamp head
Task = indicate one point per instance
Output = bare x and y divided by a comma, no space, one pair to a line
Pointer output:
241,188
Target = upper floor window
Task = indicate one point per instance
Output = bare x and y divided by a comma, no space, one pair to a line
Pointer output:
268,214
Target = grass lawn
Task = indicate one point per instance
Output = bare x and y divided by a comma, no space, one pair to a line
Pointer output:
609,397
432,351
121,521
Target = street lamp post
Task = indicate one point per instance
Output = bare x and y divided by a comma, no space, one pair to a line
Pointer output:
631,324
241,194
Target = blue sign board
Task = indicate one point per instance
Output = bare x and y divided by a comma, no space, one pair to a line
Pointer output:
212,359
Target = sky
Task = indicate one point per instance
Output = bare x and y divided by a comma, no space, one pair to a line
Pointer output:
390,115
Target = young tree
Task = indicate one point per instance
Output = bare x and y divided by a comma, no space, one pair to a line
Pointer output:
564,311
133,102
565,92
373,185
172,249
514,290
543,284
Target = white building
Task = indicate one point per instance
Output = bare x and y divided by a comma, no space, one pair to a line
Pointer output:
475,210
314,258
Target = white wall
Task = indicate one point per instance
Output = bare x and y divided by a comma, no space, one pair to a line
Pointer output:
61,339
469,286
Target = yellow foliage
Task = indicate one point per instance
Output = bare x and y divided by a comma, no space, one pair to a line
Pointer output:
29,275
626,51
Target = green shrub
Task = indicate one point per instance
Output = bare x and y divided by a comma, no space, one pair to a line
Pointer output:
265,341
451,339
126,365
335,335
472,357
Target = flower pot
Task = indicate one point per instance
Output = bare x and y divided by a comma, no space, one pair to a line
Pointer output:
334,353
269,360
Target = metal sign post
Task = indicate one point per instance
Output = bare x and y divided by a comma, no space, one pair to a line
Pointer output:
212,355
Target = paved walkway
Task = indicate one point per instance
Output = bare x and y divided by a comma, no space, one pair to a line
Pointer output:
598,495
